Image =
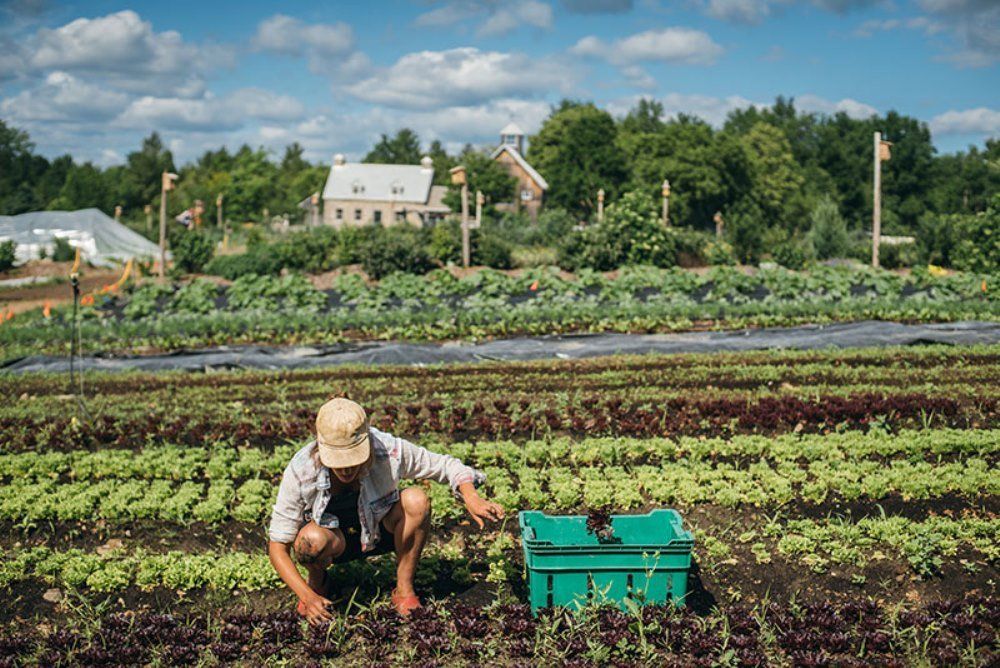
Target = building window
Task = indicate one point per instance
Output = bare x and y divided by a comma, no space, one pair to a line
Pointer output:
527,195
357,214
340,214
401,216
378,217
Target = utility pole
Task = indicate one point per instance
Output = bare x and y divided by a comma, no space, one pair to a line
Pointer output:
881,152
148,209
665,191
458,178
600,205
166,185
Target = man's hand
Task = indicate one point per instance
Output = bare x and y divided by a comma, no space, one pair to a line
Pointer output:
479,508
315,609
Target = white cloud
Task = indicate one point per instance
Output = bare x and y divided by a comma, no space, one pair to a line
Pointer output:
110,157
125,51
853,108
498,18
62,97
739,11
670,45
511,15
597,6
920,23
328,47
210,113
970,121
292,37
638,77
463,76
354,133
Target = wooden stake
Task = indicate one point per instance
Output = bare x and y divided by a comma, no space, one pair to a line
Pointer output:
466,245
877,199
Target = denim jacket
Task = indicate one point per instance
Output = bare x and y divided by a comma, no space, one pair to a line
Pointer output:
305,486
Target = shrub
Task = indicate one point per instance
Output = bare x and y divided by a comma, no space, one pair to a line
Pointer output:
936,238
352,243
896,256
719,252
691,245
793,253
745,229
788,250
258,262
312,250
7,255
401,248
978,247
192,250
491,250
631,234
828,230
445,243
553,226
534,256
63,251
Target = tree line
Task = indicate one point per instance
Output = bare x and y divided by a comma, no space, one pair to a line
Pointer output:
775,165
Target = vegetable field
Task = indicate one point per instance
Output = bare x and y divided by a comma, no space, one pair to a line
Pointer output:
439,306
844,504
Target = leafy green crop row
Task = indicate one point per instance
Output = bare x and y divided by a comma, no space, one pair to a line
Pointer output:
813,543
27,501
501,306
171,462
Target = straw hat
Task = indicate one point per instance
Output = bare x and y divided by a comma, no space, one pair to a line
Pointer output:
342,434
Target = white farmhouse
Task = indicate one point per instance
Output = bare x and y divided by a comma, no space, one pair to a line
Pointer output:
376,194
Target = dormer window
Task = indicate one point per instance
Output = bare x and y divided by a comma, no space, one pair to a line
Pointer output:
357,188
396,188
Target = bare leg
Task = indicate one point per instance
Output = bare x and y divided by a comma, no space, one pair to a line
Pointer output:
316,548
409,521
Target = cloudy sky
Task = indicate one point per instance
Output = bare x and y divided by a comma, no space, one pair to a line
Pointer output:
93,78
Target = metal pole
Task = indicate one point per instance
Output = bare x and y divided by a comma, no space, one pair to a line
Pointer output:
163,225
466,250
877,201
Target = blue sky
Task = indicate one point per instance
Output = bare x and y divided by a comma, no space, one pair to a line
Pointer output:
93,78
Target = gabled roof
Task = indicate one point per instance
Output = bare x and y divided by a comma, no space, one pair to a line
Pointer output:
519,159
511,129
379,183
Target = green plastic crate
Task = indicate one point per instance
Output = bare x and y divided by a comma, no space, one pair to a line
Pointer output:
648,561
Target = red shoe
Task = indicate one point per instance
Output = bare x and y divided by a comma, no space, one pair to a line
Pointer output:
404,605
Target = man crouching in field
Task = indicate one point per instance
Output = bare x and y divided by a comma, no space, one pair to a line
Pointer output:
359,510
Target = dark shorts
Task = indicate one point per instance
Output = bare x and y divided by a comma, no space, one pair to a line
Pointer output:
352,548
